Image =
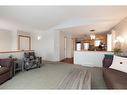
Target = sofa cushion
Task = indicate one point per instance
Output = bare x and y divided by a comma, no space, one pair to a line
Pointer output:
3,70
115,79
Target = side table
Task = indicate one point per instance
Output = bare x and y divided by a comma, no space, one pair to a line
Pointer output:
18,65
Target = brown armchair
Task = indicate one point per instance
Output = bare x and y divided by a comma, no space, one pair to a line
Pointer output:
6,69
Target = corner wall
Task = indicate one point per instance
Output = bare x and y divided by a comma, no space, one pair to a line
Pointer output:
51,45
47,46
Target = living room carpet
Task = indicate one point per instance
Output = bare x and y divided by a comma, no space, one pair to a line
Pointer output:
48,76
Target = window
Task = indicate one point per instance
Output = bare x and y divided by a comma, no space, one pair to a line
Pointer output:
97,42
86,46
24,42
78,46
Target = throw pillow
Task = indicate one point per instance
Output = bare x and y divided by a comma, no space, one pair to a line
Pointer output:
107,61
119,63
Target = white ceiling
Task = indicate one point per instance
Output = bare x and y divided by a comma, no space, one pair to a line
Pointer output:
75,20
100,26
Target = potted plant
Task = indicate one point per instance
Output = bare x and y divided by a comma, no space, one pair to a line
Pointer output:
117,51
11,56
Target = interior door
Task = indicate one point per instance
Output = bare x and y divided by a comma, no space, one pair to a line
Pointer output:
65,47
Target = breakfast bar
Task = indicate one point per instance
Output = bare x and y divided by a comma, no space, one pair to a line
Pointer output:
89,58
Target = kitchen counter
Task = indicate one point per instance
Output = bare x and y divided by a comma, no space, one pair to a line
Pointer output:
90,58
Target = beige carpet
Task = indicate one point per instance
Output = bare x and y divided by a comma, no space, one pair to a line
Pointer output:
48,76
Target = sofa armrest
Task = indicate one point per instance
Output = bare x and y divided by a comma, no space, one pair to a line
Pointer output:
6,62
9,63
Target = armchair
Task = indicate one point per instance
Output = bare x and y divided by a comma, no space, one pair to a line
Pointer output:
31,61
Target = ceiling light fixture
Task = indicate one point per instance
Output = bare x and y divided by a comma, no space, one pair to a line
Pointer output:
92,34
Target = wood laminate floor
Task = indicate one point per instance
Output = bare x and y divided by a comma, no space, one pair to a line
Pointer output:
68,60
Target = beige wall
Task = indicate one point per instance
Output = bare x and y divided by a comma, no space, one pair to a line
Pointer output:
5,40
121,31
45,46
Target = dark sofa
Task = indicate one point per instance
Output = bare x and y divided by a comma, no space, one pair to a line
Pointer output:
6,69
115,79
